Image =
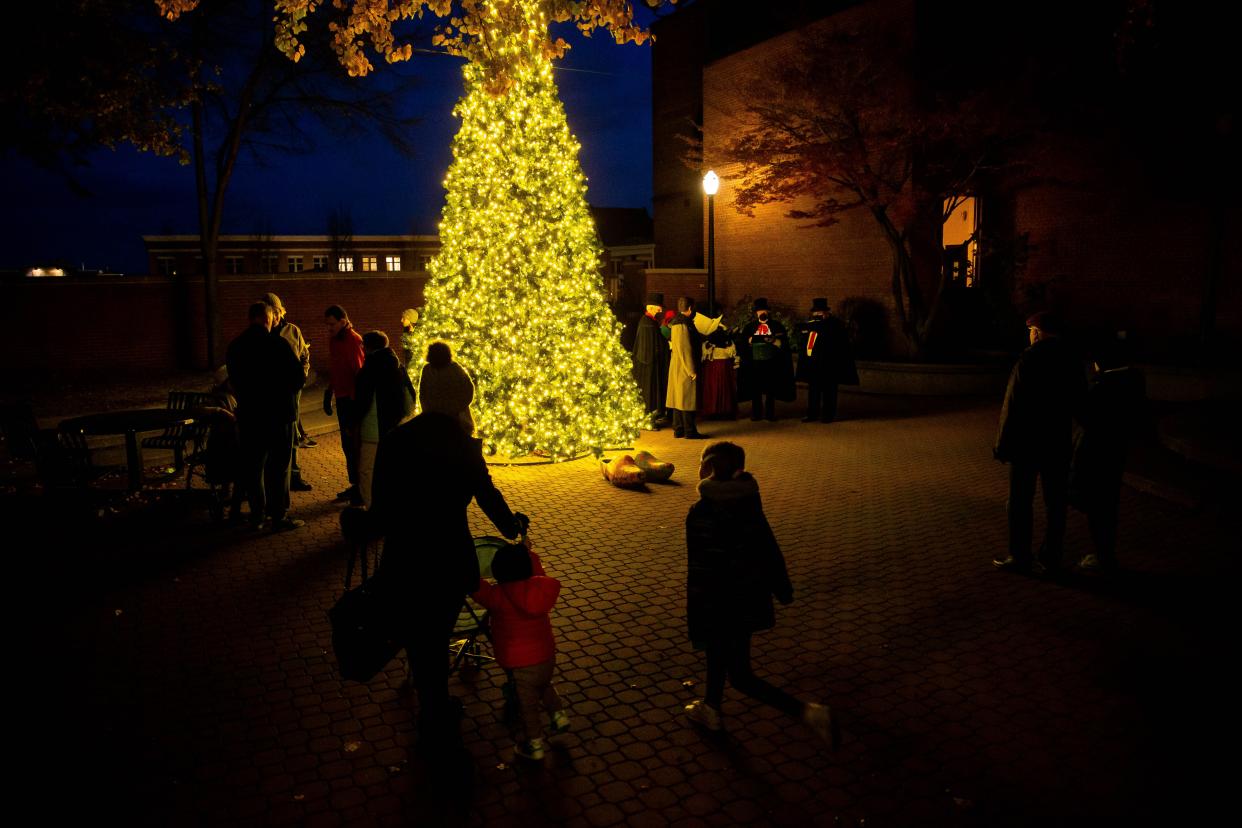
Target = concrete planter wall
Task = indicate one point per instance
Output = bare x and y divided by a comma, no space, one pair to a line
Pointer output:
928,379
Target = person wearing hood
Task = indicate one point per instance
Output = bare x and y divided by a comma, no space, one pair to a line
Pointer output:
734,568
385,397
518,605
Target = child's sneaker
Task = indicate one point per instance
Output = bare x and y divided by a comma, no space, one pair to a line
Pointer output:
704,715
820,719
532,750
560,721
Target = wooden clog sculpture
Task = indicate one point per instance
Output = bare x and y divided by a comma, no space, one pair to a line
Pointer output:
623,472
657,470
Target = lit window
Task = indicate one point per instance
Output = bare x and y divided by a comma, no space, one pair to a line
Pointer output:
370,263
392,263
164,264
295,264
233,265
960,241
345,264
321,262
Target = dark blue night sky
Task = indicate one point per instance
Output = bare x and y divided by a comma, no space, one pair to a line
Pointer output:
606,89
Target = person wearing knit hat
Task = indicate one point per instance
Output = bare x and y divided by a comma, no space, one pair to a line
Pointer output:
824,361
1046,392
651,358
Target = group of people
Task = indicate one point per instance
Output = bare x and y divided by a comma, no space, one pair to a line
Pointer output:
369,389
429,566
1070,436
672,348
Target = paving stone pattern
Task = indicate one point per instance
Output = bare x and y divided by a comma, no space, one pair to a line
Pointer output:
967,696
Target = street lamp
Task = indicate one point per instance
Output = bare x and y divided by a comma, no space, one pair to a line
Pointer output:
711,183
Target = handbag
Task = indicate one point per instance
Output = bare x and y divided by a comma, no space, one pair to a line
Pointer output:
362,629
362,632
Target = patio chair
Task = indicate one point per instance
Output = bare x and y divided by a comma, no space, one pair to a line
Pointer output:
198,437
176,437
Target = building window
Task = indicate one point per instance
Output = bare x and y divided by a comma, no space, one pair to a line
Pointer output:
295,264
960,239
164,265
321,262
370,263
345,264
392,263
424,263
233,265
270,262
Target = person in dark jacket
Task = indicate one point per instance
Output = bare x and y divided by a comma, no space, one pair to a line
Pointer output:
824,362
266,375
385,398
1114,416
651,357
427,471
734,568
766,374
1046,391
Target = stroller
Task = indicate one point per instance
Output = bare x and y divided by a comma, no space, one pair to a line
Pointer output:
465,647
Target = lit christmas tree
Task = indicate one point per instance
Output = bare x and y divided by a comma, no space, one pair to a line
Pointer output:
516,289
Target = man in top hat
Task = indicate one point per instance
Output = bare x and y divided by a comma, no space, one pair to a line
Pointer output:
1047,389
824,361
767,373
651,357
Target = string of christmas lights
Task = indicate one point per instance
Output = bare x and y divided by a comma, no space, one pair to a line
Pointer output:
516,288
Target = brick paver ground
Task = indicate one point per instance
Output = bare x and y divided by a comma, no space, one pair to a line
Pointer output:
192,682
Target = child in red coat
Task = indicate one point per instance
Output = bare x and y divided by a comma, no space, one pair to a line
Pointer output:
519,603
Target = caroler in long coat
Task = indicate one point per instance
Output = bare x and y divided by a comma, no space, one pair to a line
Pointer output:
824,361
766,374
651,357
682,397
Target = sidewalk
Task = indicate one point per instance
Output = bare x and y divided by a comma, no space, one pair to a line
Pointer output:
190,679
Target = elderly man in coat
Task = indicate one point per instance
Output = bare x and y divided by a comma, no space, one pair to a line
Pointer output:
683,371
1047,388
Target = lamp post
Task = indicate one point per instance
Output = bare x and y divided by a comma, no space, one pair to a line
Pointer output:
711,184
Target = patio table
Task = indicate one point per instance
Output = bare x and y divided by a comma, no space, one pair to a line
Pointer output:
131,423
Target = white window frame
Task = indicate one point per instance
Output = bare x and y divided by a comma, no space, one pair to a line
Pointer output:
294,263
392,263
345,264
370,264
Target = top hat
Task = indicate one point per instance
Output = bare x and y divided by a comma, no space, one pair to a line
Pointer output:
655,299
820,304
760,304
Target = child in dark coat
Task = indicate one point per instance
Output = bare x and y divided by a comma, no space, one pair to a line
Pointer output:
735,567
519,603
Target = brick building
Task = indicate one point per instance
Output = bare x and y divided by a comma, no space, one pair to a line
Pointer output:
1125,224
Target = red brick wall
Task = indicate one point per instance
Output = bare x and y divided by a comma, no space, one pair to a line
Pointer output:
372,302
72,330
768,254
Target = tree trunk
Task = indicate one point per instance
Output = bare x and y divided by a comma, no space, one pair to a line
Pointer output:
207,239
907,298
